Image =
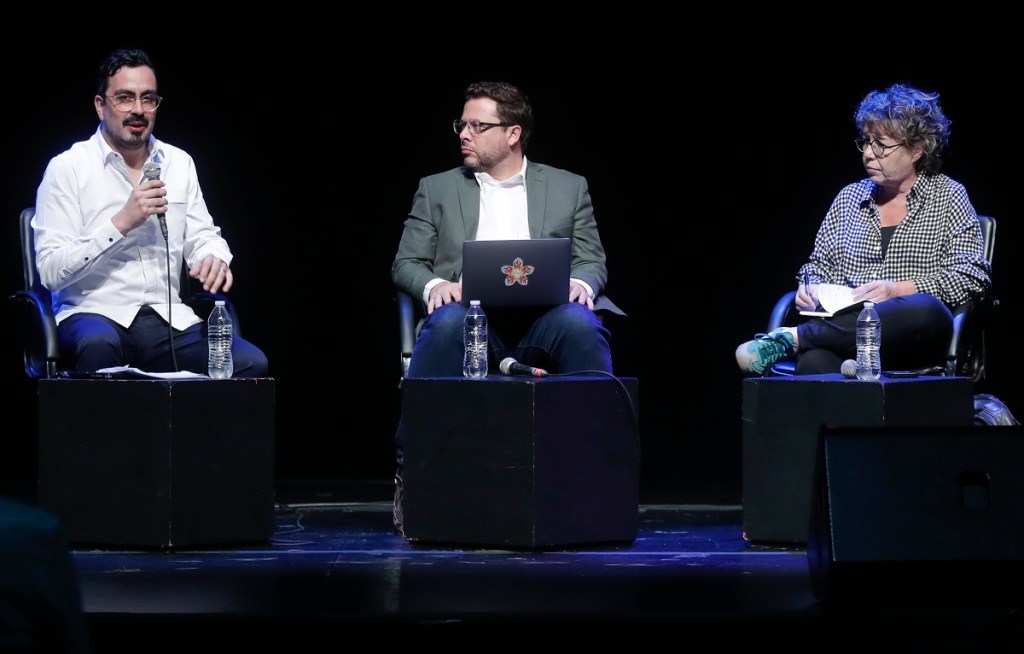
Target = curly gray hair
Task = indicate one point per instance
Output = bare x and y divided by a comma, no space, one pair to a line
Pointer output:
910,115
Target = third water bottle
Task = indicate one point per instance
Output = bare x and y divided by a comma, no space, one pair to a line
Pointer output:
869,343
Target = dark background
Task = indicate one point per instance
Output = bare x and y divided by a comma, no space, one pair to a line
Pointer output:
711,162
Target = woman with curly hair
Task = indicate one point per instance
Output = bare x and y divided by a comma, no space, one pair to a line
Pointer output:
906,238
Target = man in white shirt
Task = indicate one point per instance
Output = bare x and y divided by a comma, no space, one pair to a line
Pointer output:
111,241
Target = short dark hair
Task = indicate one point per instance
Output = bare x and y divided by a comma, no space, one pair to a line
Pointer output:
513,105
118,59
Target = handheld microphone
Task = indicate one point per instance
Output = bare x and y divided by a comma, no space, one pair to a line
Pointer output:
151,170
849,369
510,366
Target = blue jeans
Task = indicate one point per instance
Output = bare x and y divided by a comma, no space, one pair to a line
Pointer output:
567,339
90,342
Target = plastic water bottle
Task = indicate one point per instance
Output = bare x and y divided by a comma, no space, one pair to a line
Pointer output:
869,342
219,331
474,333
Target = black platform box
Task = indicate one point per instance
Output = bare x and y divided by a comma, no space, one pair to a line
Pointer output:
782,421
521,462
158,463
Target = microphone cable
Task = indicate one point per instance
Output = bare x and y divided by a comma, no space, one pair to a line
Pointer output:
170,327
151,170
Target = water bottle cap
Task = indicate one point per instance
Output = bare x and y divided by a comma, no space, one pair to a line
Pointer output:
474,303
868,305
218,303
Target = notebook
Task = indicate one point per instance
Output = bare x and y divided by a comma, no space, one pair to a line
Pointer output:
526,272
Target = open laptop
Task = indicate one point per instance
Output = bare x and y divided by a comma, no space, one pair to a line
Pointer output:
524,272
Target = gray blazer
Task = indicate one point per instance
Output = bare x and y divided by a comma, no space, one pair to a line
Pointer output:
446,211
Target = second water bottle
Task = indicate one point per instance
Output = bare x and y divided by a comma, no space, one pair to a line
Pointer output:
474,332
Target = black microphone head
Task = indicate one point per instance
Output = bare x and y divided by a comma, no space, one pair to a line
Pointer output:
849,368
151,170
506,365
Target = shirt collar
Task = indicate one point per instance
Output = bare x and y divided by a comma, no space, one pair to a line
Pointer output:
519,179
922,185
109,154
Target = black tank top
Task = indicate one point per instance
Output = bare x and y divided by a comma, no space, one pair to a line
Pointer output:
887,233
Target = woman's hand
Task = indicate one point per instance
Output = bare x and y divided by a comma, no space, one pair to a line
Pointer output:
806,297
883,289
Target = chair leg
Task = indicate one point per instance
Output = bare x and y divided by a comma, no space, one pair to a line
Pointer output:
396,510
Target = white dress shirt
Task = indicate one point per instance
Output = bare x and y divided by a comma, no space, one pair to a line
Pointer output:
503,209
504,213
88,265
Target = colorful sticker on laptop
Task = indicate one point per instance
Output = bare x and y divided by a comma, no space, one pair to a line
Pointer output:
517,273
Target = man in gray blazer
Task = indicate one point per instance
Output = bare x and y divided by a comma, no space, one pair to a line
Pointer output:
498,194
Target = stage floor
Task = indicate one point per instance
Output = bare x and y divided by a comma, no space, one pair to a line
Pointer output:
336,574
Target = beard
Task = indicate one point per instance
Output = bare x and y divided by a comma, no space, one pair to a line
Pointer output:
133,141
481,162
472,163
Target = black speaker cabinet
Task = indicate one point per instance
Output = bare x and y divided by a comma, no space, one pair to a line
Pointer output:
782,419
918,516
521,462
158,463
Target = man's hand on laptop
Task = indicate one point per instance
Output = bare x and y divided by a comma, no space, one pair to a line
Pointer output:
445,293
577,293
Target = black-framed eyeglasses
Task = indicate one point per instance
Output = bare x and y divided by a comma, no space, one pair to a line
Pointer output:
880,149
475,126
126,101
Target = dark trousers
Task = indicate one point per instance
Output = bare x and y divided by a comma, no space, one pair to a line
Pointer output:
90,342
916,330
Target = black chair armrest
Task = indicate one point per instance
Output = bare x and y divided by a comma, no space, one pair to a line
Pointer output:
38,333
961,326
406,328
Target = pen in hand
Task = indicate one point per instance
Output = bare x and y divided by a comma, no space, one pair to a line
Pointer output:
807,288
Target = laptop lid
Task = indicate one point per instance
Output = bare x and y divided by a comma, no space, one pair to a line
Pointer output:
523,272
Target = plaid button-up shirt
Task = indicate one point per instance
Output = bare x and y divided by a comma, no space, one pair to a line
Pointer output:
939,245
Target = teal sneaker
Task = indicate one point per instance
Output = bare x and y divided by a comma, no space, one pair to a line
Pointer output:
759,355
